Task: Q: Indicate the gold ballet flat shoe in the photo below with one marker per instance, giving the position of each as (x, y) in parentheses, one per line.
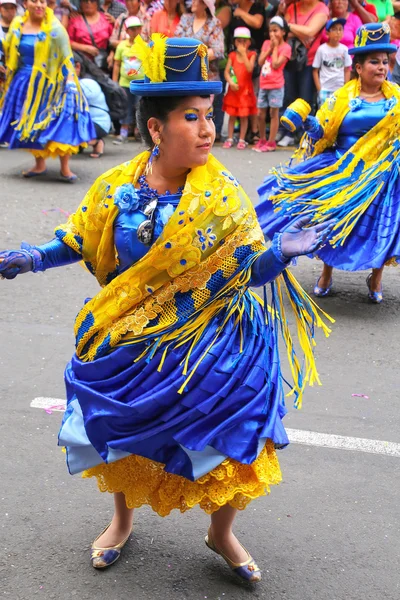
(104, 557)
(247, 570)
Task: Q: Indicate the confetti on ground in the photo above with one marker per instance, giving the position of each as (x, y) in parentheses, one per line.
(360, 396)
(50, 409)
(57, 209)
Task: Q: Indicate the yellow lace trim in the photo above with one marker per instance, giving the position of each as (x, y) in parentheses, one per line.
(144, 481)
(56, 149)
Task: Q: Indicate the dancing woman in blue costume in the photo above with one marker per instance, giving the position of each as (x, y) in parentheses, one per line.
(349, 171)
(42, 109)
(175, 392)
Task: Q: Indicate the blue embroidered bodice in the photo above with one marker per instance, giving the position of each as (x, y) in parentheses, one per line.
(359, 120)
(129, 248)
(27, 50)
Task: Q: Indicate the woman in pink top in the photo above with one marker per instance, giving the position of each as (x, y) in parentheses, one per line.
(340, 10)
(166, 20)
(306, 20)
(80, 37)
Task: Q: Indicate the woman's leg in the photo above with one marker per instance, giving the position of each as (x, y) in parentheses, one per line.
(376, 280)
(40, 166)
(325, 278)
(223, 536)
(121, 524)
(64, 164)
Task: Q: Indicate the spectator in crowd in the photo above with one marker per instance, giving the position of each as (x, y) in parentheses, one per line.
(306, 20)
(395, 33)
(250, 14)
(112, 9)
(240, 100)
(366, 12)
(98, 108)
(90, 31)
(147, 10)
(203, 25)
(8, 10)
(119, 34)
(61, 11)
(274, 56)
(332, 62)
(223, 12)
(127, 69)
(167, 19)
(340, 10)
(384, 9)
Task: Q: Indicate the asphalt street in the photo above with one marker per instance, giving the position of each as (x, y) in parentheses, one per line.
(330, 531)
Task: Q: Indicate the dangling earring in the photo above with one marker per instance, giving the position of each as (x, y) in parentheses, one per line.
(153, 156)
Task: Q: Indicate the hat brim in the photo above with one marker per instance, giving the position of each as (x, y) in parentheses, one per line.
(373, 48)
(184, 88)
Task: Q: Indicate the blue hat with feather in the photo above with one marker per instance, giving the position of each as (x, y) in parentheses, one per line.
(173, 67)
(373, 37)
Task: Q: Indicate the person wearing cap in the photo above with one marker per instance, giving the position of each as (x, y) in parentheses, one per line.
(332, 62)
(42, 109)
(274, 56)
(351, 22)
(175, 395)
(348, 168)
(240, 100)
(203, 25)
(8, 11)
(126, 69)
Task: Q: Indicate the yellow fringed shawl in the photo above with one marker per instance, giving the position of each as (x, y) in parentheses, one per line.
(166, 298)
(324, 193)
(53, 66)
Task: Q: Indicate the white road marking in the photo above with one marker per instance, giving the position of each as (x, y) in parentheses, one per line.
(296, 436)
(341, 442)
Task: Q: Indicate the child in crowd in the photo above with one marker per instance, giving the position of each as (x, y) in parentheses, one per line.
(240, 100)
(332, 62)
(275, 53)
(127, 67)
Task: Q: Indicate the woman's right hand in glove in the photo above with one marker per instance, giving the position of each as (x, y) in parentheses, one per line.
(15, 262)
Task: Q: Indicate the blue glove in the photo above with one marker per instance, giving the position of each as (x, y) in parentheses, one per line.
(313, 128)
(36, 258)
(15, 262)
(267, 267)
(297, 239)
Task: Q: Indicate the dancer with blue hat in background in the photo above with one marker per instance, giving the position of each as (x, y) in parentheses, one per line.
(347, 169)
(175, 394)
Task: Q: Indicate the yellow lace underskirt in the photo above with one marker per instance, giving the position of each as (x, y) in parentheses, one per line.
(144, 481)
(55, 149)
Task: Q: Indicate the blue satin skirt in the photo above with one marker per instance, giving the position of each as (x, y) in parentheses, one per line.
(375, 238)
(65, 129)
(117, 407)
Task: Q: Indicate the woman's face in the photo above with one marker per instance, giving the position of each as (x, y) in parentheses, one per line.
(132, 7)
(198, 5)
(374, 70)
(36, 9)
(188, 134)
(339, 8)
(89, 7)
